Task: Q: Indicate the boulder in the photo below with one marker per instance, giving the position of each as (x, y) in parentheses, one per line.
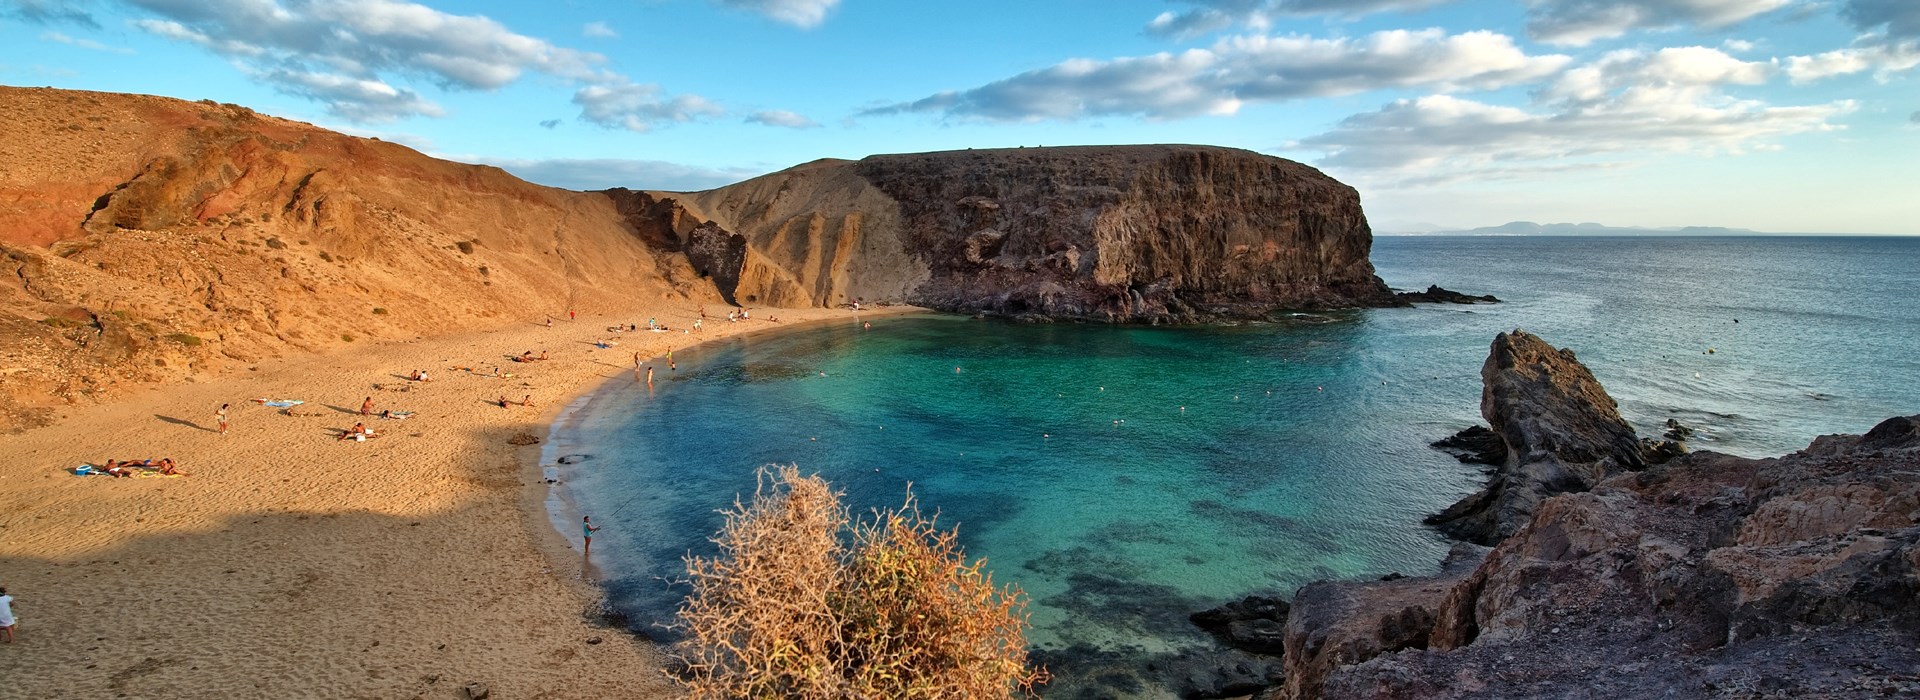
(1561, 430)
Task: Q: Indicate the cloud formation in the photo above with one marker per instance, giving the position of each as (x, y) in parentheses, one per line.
(598, 30)
(605, 173)
(1627, 102)
(636, 107)
(783, 118)
(1890, 43)
(345, 53)
(1237, 70)
(1581, 22)
(1259, 15)
(46, 12)
(804, 14)
(84, 43)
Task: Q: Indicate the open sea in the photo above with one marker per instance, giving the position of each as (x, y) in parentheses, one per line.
(1126, 476)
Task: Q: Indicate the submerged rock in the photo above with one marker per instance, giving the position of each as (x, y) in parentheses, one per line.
(1437, 295)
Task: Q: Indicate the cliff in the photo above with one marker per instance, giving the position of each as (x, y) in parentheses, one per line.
(151, 239)
(1104, 233)
(1707, 575)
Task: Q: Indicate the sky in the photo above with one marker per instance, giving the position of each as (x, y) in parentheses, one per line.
(1773, 115)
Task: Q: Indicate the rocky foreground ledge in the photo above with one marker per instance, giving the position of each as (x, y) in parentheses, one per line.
(1623, 568)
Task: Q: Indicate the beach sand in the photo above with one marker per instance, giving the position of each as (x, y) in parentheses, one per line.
(291, 563)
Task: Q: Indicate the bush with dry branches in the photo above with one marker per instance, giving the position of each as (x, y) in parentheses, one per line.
(803, 603)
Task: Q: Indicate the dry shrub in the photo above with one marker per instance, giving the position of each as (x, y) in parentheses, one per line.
(803, 603)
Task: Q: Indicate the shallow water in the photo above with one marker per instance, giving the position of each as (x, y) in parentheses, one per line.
(1124, 476)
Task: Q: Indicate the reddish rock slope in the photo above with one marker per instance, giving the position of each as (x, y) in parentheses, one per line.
(147, 238)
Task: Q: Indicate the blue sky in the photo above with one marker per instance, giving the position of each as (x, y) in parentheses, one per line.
(1775, 115)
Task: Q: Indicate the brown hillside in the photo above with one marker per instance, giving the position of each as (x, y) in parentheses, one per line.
(148, 238)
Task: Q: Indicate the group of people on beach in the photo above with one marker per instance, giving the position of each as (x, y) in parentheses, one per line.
(130, 467)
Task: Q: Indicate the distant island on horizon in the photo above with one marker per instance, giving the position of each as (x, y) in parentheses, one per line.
(1529, 228)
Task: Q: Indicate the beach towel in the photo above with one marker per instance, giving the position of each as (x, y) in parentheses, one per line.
(397, 415)
(278, 403)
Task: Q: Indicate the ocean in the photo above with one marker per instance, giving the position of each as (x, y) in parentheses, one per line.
(1126, 476)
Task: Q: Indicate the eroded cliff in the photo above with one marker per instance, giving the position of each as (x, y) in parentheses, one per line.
(151, 239)
(1106, 233)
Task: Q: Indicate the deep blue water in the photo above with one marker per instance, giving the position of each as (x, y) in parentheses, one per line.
(1124, 476)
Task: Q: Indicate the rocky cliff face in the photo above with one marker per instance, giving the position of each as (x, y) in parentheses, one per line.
(1705, 576)
(148, 239)
(1111, 233)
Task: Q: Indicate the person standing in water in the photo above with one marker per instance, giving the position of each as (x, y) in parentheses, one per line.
(670, 364)
(649, 376)
(587, 528)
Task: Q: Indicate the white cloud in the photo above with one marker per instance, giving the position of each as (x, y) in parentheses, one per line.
(636, 107)
(353, 99)
(1625, 104)
(598, 30)
(84, 43)
(1260, 15)
(1236, 70)
(606, 173)
(1581, 22)
(1890, 45)
(781, 117)
(804, 14)
(47, 12)
(350, 53)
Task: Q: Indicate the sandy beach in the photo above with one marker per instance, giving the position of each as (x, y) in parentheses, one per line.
(292, 563)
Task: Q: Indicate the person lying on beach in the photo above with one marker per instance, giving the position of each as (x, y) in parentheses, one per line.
(359, 431)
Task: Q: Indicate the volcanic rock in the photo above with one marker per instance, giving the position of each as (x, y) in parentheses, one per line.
(1562, 433)
(1106, 233)
(1437, 295)
(1708, 575)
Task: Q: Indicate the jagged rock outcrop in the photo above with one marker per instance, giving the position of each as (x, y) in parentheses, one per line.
(1561, 431)
(1106, 233)
(1705, 576)
(1436, 294)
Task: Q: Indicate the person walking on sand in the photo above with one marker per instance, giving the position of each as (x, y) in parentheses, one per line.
(6, 615)
(221, 417)
(587, 528)
(573, 315)
(636, 362)
(366, 406)
(549, 321)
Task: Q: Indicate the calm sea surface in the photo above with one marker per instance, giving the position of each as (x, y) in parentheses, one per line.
(1124, 476)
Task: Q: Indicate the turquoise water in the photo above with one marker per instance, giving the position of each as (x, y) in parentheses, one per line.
(1125, 476)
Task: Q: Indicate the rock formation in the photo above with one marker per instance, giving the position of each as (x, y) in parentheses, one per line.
(1108, 233)
(1436, 294)
(1708, 575)
(151, 239)
(1561, 432)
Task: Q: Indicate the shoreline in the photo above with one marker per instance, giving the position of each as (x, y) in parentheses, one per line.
(291, 562)
(556, 506)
